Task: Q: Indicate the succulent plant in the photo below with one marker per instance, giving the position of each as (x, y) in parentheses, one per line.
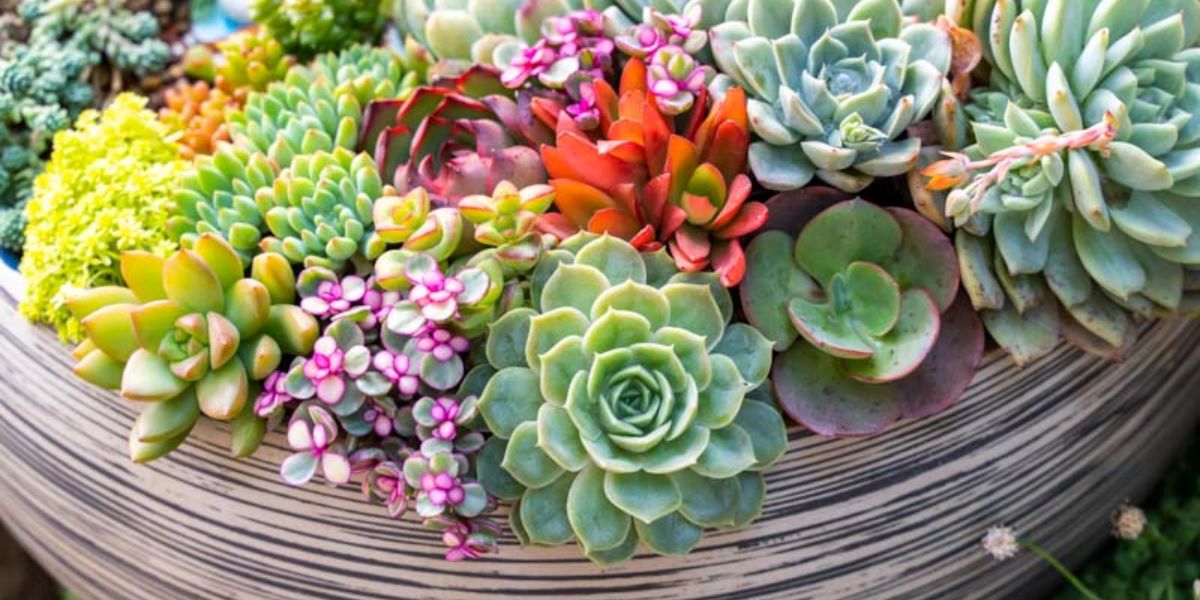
(250, 61)
(636, 178)
(313, 435)
(571, 44)
(470, 31)
(619, 407)
(308, 27)
(833, 87)
(189, 336)
(1078, 190)
(447, 139)
(105, 190)
(409, 220)
(862, 305)
(507, 221)
(19, 166)
(319, 209)
(198, 113)
(316, 110)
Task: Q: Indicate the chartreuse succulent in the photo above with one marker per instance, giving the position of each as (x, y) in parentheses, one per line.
(833, 86)
(619, 407)
(1081, 189)
(250, 61)
(106, 189)
(296, 131)
(191, 335)
(308, 27)
(862, 306)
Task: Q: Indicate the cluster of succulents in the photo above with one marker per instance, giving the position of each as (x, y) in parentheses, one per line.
(1074, 207)
(565, 254)
(309, 27)
(105, 190)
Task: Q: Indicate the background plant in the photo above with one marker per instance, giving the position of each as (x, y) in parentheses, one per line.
(309, 27)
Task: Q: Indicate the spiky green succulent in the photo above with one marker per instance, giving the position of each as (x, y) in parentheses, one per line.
(1081, 190)
(308, 27)
(316, 110)
(834, 86)
(189, 336)
(620, 408)
(319, 210)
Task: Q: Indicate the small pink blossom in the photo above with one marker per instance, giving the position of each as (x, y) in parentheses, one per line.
(324, 369)
(444, 412)
(531, 62)
(381, 423)
(441, 343)
(442, 489)
(334, 298)
(380, 303)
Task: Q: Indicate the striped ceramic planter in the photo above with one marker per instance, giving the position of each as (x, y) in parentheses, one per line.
(1050, 449)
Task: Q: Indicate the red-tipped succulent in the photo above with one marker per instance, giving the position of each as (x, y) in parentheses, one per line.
(637, 175)
(447, 138)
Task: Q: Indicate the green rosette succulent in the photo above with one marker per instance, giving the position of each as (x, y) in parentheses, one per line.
(863, 305)
(318, 211)
(315, 110)
(308, 27)
(190, 335)
(1077, 205)
(834, 85)
(619, 406)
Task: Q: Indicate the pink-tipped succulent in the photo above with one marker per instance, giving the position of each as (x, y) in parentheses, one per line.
(507, 221)
(434, 297)
(400, 370)
(571, 44)
(529, 62)
(313, 434)
(470, 538)
(334, 372)
(379, 302)
(676, 78)
(442, 344)
(443, 418)
(376, 415)
(274, 395)
(408, 220)
(386, 484)
(323, 295)
(436, 475)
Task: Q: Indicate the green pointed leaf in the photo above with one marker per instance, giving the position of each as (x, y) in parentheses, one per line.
(634, 297)
(222, 393)
(547, 329)
(525, 461)
(559, 439)
(615, 258)
(690, 349)
(575, 286)
(1108, 259)
(147, 378)
(671, 534)
(729, 452)
(190, 282)
(492, 475)
(750, 351)
(679, 453)
(768, 433)
(621, 553)
(507, 338)
(616, 329)
(750, 498)
(111, 329)
(720, 401)
(707, 502)
(168, 419)
(559, 367)
(694, 309)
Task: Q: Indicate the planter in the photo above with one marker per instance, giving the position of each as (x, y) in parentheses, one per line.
(1050, 449)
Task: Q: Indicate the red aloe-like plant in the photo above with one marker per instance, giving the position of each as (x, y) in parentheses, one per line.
(635, 176)
(448, 139)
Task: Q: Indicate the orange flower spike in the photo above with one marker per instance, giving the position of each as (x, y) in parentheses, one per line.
(944, 175)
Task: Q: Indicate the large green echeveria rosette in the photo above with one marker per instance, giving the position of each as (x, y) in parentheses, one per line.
(834, 85)
(619, 405)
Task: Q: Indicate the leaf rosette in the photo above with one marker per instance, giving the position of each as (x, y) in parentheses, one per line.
(620, 408)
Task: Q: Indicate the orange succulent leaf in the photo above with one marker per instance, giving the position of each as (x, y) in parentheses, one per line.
(578, 200)
(729, 150)
(673, 218)
(704, 194)
(546, 110)
(644, 240)
(655, 199)
(626, 197)
(749, 219)
(690, 248)
(556, 164)
(626, 151)
(738, 192)
(656, 132)
(632, 105)
(633, 77)
(682, 160)
(604, 171)
(556, 224)
(699, 209)
(607, 102)
(616, 222)
(729, 262)
(627, 130)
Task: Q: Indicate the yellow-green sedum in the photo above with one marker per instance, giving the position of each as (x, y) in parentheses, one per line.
(105, 190)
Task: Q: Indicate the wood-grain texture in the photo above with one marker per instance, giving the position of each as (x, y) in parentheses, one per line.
(1050, 449)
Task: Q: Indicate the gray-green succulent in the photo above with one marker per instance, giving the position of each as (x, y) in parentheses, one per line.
(620, 405)
(1082, 190)
(834, 85)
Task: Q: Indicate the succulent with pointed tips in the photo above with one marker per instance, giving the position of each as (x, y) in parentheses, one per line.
(189, 336)
(833, 86)
(620, 409)
(446, 139)
(862, 305)
(635, 177)
(1075, 206)
(250, 61)
(198, 113)
(507, 221)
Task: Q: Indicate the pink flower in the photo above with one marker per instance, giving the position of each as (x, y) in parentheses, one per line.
(441, 343)
(273, 395)
(445, 410)
(531, 62)
(442, 489)
(398, 368)
(334, 298)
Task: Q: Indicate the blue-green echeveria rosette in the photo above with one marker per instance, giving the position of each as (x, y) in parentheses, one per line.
(619, 405)
(833, 87)
(864, 306)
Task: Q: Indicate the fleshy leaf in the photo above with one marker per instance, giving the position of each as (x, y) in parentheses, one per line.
(512, 397)
(526, 462)
(645, 496)
(598, 523)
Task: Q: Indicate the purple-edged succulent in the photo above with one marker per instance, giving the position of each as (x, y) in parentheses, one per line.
(435, 472)
(313, 435)
(324, 295)
(863, 304)
(336, 371)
